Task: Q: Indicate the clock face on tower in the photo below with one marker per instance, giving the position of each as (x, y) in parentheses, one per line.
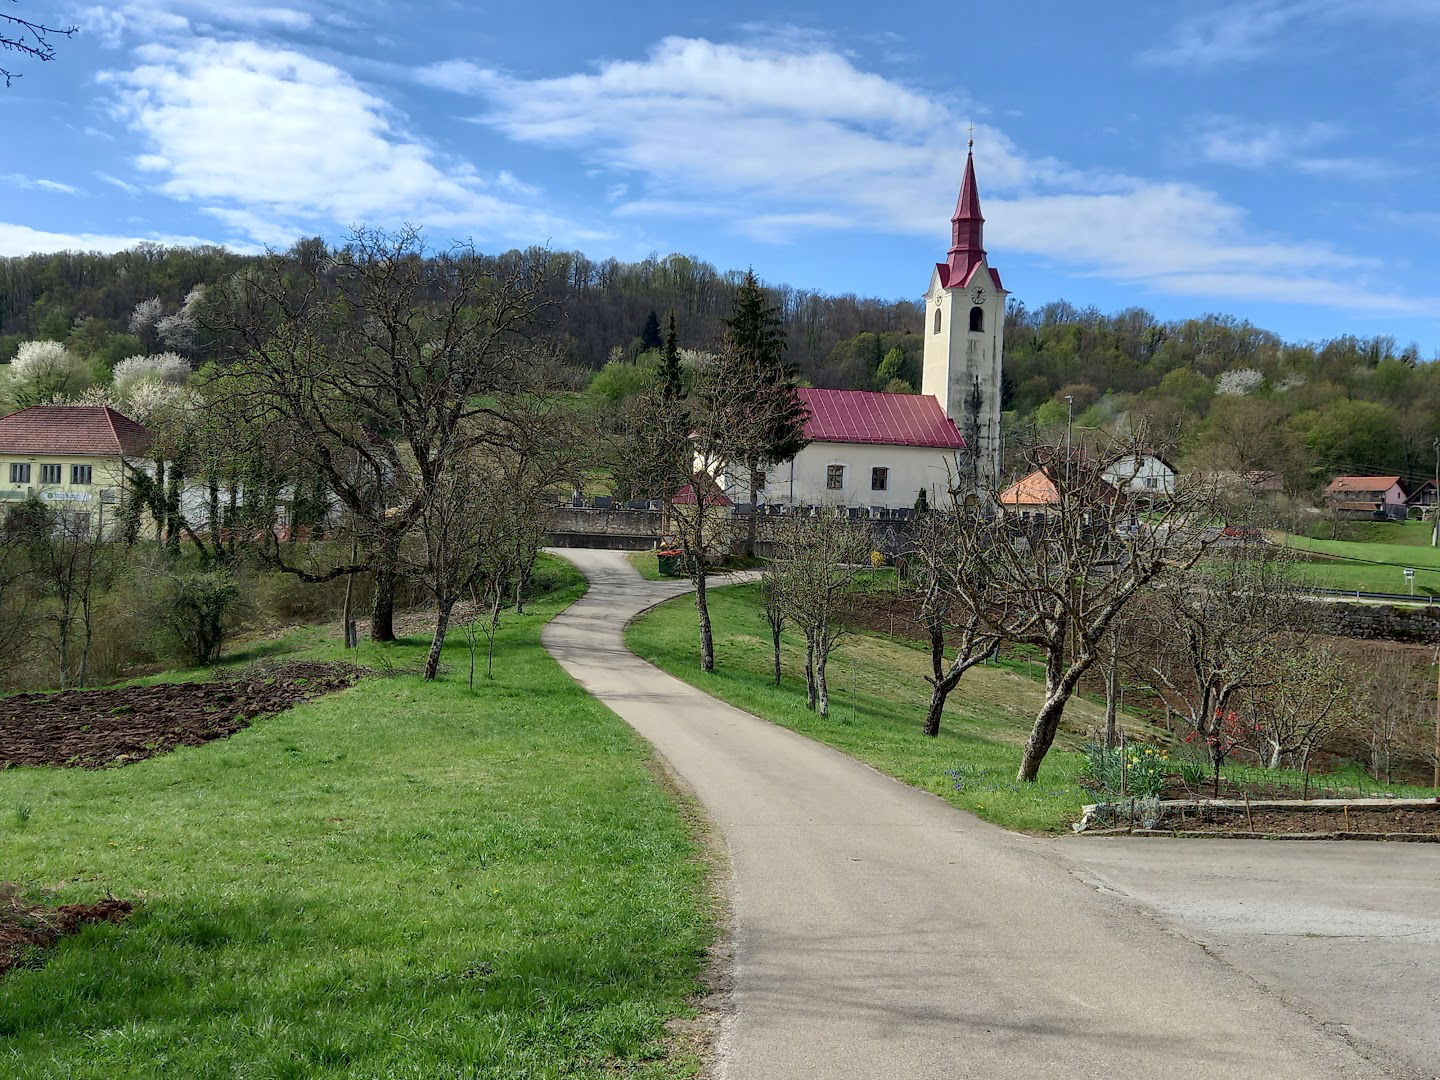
(977, 295)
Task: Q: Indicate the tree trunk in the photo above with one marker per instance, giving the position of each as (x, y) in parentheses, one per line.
(810, 694)
(1275, 756)
(775, 632)
(382, 609)
(702, 609)
(939, 692)
(494, 629)
(1112, 702)
(822, 687)
(437, 640)
(1058, 687)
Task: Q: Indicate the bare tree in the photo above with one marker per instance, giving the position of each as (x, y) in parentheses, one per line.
(1309, 697)
(68, 564)
(30, 39)
(944, 571)
(817, 559)
(17, 608)
(1214, 632)
(1059, 581)
(372, 366)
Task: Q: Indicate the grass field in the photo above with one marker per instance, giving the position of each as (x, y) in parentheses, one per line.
(398, 880)
(1375, 563)
(646, 563)
(878, 699)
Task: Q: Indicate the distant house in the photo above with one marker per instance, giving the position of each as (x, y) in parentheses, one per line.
(1035, 497)
(1142, 474)
(1366, 496)
(73, 458)
(1423, 498)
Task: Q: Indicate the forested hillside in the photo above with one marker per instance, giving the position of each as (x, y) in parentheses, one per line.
(1215, 391)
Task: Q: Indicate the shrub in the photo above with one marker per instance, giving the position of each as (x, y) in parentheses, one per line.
(196, 610)
(1140, 769)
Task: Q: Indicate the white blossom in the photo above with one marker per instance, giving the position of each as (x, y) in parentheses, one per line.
(160, 368)
(1240, 382)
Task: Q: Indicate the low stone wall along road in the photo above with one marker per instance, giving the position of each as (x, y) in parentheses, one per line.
(880, 933)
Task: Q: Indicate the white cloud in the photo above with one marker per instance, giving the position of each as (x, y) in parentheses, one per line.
(1227, 140)
(784, 143)
(1249, 30)
(115, 181)
(23, 240)
(273, 142)
(31, 183)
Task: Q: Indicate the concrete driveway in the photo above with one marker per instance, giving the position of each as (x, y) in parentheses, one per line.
(880, 933)
(1348, 932)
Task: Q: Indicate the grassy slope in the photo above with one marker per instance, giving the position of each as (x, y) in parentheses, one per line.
(878, 704)
(646, 564)
(1375, 564)
(399, 880)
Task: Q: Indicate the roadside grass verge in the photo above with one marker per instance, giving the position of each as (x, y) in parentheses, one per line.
(878, 698)
(1371, 565)
(398, 880)
(646, 564)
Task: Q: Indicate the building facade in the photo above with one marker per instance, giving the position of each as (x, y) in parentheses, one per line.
(73, 458)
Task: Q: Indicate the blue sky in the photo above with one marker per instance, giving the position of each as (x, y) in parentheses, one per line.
(1272, 159)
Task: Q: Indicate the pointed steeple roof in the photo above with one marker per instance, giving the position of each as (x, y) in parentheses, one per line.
(967, 231)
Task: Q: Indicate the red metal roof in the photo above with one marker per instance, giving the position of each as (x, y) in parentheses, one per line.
(713, 495)
(967, 235)
(91, 430)
(1342, 484)
(862, 416)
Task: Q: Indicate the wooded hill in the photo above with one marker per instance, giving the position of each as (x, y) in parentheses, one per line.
(1216, 391)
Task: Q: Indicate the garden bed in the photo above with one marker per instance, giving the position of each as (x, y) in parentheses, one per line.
(26, 927)
(99, 728)
(1321, 819)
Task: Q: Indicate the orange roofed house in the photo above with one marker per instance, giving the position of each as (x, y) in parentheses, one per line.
(1367, 496)
(73, 458)
(1034, 497)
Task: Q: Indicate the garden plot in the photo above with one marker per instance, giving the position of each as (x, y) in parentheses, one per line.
(99, 728)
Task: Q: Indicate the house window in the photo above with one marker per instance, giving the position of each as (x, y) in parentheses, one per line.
(50, 474)
(835, 477)
(879, 479)
(81, 474)
(937, 320)
(20, 472)
(1152, 482)
(977, 319)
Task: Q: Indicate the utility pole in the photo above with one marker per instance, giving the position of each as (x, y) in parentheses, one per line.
(1435, 528)
(1069, 423)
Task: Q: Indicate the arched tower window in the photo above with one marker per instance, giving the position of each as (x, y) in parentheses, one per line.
(977, 319)
(937, 321)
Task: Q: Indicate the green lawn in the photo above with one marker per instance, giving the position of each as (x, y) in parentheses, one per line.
(399, 880)
(878, 706)
(647, 564)
(1375, 564)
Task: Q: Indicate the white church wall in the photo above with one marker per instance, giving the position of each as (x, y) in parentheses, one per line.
(804, 481)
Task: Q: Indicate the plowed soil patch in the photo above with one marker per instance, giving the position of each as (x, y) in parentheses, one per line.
(26, 927)
(97, 728)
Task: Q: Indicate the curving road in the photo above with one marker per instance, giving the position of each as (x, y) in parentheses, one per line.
(880, 933)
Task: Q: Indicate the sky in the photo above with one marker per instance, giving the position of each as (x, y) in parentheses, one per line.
(1274, 160)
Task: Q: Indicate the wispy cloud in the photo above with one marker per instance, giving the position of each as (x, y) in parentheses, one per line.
(271, 142)
(23, 240)
(32, 183)
(1228, 140)
(798, 139)
(1241, 32)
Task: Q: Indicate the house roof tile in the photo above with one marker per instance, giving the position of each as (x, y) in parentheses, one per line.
(92, 430)
(863, 416)
(1343, 484)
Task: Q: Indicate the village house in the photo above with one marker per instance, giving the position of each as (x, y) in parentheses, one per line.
(1035, 497)
(1367, 496)
(1142, 475)
(72, 457)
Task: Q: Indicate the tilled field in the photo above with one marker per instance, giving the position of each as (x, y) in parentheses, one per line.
(98, 728)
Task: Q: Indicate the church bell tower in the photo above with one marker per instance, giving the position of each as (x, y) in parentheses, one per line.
(965, 335)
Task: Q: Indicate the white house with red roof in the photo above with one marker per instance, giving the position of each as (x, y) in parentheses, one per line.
(881, 450)
(71, 457)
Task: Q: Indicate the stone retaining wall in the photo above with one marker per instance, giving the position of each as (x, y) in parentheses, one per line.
(1377, 622)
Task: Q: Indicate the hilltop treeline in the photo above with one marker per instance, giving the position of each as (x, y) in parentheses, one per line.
(1216, 391)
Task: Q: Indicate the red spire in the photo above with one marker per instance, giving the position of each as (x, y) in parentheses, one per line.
(967, 227)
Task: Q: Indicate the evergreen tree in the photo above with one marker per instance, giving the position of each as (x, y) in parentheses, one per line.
(670, 362)
(650, 335)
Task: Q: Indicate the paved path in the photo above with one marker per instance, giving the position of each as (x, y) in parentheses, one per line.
(1348, 931)
(880, 933)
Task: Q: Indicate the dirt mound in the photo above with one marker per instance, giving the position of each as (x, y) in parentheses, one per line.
(26, 926)
(98, 728)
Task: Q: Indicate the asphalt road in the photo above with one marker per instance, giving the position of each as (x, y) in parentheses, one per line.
(1348, 932)
(880, 933)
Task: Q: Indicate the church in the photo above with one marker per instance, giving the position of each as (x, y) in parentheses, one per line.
(881, 450)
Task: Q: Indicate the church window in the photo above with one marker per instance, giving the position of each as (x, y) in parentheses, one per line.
(937, 320)
(977, 319)
(879, 479)
(835, 477)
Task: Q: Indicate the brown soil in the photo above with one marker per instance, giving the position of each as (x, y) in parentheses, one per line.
(26, 927)
(98, 728)
(1286, 822)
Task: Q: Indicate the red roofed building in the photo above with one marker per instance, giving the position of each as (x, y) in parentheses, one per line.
(1367, 496)
(70, 456)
